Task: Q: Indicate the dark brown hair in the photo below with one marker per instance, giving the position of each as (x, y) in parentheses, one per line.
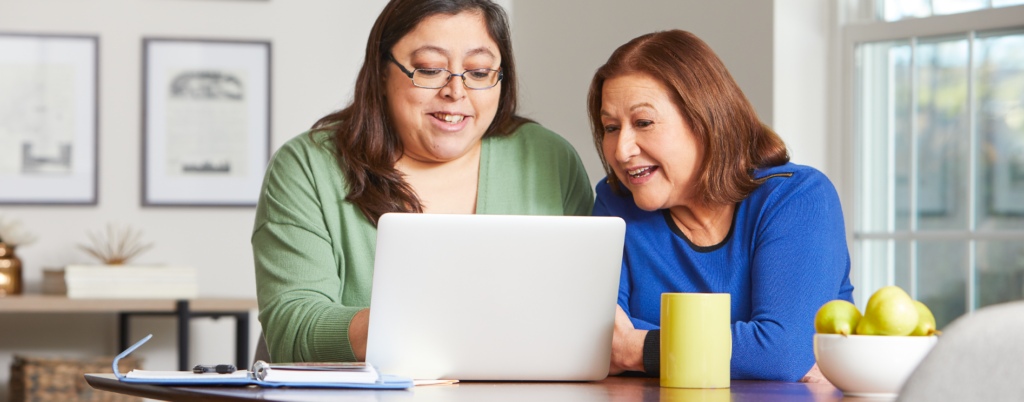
(364, 139)
(735, 141)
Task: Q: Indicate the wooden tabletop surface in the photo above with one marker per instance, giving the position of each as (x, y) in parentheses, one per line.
(612, 389)
(35, 303)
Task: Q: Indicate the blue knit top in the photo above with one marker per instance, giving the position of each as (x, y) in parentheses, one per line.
(784, 257)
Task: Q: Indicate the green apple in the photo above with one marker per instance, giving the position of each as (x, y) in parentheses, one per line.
(926, 321)
(837, 317)
(890, 311)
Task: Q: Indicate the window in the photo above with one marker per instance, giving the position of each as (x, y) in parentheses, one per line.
(894, 10)
(937, 120)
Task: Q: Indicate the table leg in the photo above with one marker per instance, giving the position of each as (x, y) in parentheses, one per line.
(123, 331)
(242, 340)
(183, 334)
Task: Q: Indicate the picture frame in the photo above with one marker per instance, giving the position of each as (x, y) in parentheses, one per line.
(206, 107)
(49, 119)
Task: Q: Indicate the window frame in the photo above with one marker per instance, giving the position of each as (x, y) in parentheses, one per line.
(850, 35)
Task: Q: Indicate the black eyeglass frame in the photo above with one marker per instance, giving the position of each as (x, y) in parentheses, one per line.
(450, 74)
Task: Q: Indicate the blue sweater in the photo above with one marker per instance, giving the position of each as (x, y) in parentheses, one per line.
(784, 257)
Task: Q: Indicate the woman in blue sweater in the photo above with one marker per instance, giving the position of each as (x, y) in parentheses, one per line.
(712, 205)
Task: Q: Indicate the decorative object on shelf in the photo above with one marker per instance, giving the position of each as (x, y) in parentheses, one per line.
(117, 245)
(10, 271)
(206, 121)
(12, 235)
(53, 282)
(49, 120)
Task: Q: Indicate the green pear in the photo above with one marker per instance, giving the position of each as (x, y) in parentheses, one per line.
(925, 322)
(837, 317)
(890, 311)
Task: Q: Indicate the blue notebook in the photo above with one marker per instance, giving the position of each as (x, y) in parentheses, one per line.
(249, 378)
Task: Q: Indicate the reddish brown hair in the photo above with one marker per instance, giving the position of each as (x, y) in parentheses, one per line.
(364, 139)
(735, 141)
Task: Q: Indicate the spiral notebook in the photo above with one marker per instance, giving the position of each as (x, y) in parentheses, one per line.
(297, 375)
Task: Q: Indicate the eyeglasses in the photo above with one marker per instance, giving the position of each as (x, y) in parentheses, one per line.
(434, 78)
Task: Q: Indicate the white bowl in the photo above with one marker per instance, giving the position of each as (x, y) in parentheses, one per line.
(865, 365)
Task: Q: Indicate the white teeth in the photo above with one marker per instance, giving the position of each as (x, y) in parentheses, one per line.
(451, 118)
(641, 172)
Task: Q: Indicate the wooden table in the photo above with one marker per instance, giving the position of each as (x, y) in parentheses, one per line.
(182, 310)
(612, 389)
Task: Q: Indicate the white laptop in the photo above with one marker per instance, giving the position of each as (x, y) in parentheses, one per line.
(495, 297)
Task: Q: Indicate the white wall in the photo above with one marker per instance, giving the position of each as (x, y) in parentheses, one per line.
(802, 34)
(560, 44)
(317, 48)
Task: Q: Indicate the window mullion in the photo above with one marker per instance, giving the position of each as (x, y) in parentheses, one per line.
(913, 166)
(890, 129)
(972, 132)
(972, 178)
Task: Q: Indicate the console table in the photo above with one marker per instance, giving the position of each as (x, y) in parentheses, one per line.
(182, 310)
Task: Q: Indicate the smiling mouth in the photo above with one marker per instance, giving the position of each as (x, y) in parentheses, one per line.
(641, 172)
(449, 118)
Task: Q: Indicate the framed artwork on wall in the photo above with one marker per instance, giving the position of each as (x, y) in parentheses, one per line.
(205, 121)
(49, 119)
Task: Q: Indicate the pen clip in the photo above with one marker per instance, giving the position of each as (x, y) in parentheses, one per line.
(125, 353)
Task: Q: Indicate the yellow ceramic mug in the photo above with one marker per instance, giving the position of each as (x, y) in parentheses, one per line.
(696, 340)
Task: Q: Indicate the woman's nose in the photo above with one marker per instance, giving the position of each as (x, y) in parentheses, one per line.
(626, 148)
(456, 88)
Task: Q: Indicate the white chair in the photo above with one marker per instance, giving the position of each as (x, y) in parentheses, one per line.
(979, 357)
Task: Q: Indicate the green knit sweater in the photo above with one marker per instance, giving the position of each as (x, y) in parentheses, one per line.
(314, 251)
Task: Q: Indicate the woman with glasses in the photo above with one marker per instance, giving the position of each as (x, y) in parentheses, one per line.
(712, 205)
(431, 129)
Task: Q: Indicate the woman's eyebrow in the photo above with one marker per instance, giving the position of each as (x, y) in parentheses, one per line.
(641, 105)
(436, 49)
(480, 51)
(431, 48)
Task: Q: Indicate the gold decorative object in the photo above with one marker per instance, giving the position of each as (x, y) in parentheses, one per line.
(10, 271)
(12, 235)
(116, 246)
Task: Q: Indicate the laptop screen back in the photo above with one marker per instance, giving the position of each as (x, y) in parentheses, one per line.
(493, 297)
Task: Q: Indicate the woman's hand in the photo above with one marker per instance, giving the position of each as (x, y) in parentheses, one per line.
(627, 345)
(357, 333)
(815, 375)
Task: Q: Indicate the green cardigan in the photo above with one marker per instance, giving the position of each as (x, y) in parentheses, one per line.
(314, 251)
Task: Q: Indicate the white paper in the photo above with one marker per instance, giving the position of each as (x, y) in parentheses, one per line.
(206, 122)
(177, 375)
(37, 117)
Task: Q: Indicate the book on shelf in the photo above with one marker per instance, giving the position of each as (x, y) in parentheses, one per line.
(130, 282)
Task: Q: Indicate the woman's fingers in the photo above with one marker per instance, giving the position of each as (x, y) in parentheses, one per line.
(815, 375)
